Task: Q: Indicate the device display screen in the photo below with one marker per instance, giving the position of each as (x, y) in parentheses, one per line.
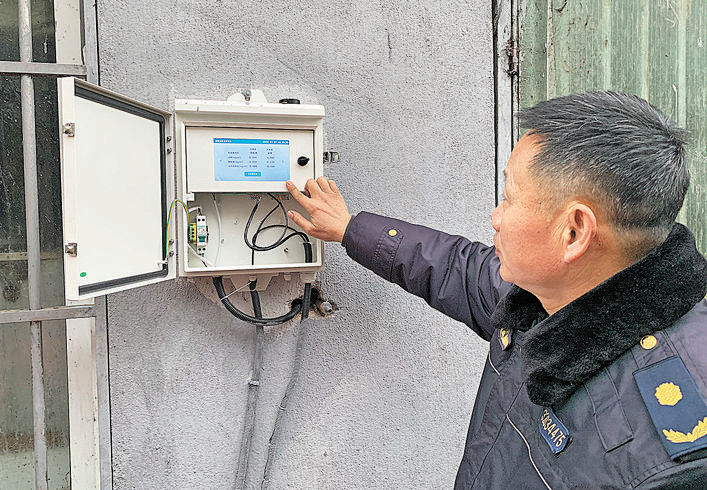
(251, 160)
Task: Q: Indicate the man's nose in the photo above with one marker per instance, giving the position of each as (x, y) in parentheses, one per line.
(496, 218)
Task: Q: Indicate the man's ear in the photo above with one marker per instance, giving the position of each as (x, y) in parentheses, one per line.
(580, 230)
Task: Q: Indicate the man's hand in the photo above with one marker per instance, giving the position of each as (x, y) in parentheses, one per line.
(325, 205)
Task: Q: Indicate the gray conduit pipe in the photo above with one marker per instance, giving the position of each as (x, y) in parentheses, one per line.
(253, 384)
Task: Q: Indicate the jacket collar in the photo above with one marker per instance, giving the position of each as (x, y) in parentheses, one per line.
(565, 349)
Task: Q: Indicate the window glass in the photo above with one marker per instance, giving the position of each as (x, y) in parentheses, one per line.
(13, 241)
(16, 423)
(9, 32)
(16, 404)
(16, 413)
(49, 183)
(43, 39)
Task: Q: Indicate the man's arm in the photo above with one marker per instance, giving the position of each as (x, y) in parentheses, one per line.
(454, 275)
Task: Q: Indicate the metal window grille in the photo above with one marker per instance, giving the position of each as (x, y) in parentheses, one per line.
(35, 315)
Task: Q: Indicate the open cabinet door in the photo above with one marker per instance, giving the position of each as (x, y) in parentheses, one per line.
(115, 188)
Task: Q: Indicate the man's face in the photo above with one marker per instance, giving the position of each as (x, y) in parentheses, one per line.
(527, 238)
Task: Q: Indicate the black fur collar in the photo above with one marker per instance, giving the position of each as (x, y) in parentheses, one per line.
(565, 349)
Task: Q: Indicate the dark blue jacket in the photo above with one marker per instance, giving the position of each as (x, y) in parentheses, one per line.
(608, 392)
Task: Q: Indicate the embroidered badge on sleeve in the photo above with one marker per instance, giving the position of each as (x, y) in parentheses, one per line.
(676, 406)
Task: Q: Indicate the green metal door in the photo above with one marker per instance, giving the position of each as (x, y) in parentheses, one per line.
(651, 48)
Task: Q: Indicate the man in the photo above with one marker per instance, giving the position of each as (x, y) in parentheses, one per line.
(592, 298)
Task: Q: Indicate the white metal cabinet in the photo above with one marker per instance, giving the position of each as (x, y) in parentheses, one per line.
(119, 162)
(116, 190)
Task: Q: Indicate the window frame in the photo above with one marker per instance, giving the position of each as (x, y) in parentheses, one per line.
(87, 362)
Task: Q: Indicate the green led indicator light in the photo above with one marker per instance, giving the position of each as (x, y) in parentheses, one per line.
(83, 274)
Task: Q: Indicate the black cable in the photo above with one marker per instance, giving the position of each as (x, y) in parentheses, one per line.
(307, 299)
(259, 321)
(250, 219)
(277, 206)
(218, 284)
(295, 232)
(296, 308)
(255, 299)
(255, 235)
(302, 235)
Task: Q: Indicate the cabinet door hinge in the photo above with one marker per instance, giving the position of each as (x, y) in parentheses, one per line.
(70, 129)
(71, 249)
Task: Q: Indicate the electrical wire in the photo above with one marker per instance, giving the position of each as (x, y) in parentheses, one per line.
(277, 206)
(259, 230)
(259, 321)
(218, 281)
(253, 384)
(286, 226)
(250, 219)
(277, 428)
(220, 233)
(237, 289)
(169, 220)
(301, 234)
(203, 259)
(294, 311)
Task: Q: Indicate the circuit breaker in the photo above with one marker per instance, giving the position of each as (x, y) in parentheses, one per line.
(149, 194)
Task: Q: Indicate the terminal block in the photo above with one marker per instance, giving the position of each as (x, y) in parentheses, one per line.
(199, 234)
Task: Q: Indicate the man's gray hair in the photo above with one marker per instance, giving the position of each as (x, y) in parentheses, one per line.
(617, 150)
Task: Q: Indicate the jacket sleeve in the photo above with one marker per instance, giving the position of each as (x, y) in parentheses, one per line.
(458, 277)
(691, 474)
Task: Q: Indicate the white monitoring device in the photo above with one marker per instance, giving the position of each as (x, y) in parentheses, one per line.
(247, 160)
(230, 161)
(235, 158)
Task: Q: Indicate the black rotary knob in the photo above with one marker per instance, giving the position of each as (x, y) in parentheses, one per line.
(302, 161)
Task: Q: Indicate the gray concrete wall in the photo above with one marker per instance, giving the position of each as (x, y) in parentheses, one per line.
(387, 384)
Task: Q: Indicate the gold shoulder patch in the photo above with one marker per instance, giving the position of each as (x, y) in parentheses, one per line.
(699, 431)
(676, 405)
(668, 394)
